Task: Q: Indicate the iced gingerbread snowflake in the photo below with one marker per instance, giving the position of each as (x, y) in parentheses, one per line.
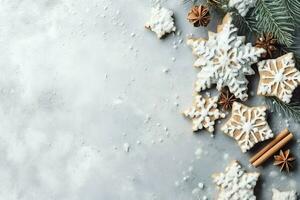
(161, 21)
(224, 59)
(247, 126)
(278, 77)
(242, 6)
(287, 195)
(235, 183)
(204, 113)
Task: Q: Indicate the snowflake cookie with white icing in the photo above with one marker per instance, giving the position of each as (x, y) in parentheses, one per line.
(242, 6)
(287, 195)
(161, 21)
(204, 113)
(235, 183)
(278, 77)
(224, 59)
(247, 125)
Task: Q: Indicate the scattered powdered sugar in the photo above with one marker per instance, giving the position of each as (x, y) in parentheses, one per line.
(225, 156)
(126, 147)
(199, 153)
(201, 185)
(273, 173)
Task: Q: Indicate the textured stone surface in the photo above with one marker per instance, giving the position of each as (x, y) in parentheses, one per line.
(91, 102)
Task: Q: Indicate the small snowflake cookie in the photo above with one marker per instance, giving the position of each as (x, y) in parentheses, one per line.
(204, 113)
(161, 21)
(235, 183)
(278, 77)
(242, 6)
(247, 126)
(224, 59)
(287, 195)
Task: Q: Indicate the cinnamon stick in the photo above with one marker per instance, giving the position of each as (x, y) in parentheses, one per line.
(274, 148)
(279, 137)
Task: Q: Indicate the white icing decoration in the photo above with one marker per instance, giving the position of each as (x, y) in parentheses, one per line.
(224, 59)
(242, 6)
(247, 126)
(287, 195)
(161, 21)
(204, 112)
(278, 77)
(235, 183)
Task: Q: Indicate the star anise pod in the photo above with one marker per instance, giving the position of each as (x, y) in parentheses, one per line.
(267, 42)
(199, 16)
(284, 160)
(226, 99)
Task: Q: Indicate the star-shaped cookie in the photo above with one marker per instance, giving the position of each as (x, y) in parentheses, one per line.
(161, 21)
(204, 113)
(224, 59)
(278, 77)
(247, 125)
(286, 195)
(235, 183)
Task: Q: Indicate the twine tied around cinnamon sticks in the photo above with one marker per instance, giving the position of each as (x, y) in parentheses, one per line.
(274, 146)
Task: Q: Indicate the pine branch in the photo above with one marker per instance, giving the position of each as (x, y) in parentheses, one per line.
(272, 17)
(291, 110)
(293, 6)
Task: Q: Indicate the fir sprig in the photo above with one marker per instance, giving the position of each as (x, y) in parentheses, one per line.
(273, 17)
(291, 110)
(268, 16)
(293, 6)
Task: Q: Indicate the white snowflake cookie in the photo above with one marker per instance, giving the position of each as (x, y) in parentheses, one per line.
(242, 6)
(224, 59)
(235, 183)
(247, 126)
(278, 77)
(204, 113)
(161, 21)
(287, 195)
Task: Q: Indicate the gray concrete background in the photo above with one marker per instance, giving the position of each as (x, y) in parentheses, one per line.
(88, 110)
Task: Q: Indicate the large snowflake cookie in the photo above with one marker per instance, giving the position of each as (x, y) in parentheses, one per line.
(204, 113)
(224, 59)
(278, 77)
(161, 21)
(235, 183)
(242, 6)
(287, 195)
(247, 126)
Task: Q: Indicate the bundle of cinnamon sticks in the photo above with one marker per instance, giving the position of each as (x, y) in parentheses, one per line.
(274, 146)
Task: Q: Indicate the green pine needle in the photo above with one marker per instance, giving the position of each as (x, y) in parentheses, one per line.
(291, 110)
(269, 16)
(293, 6)
(273, 17)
